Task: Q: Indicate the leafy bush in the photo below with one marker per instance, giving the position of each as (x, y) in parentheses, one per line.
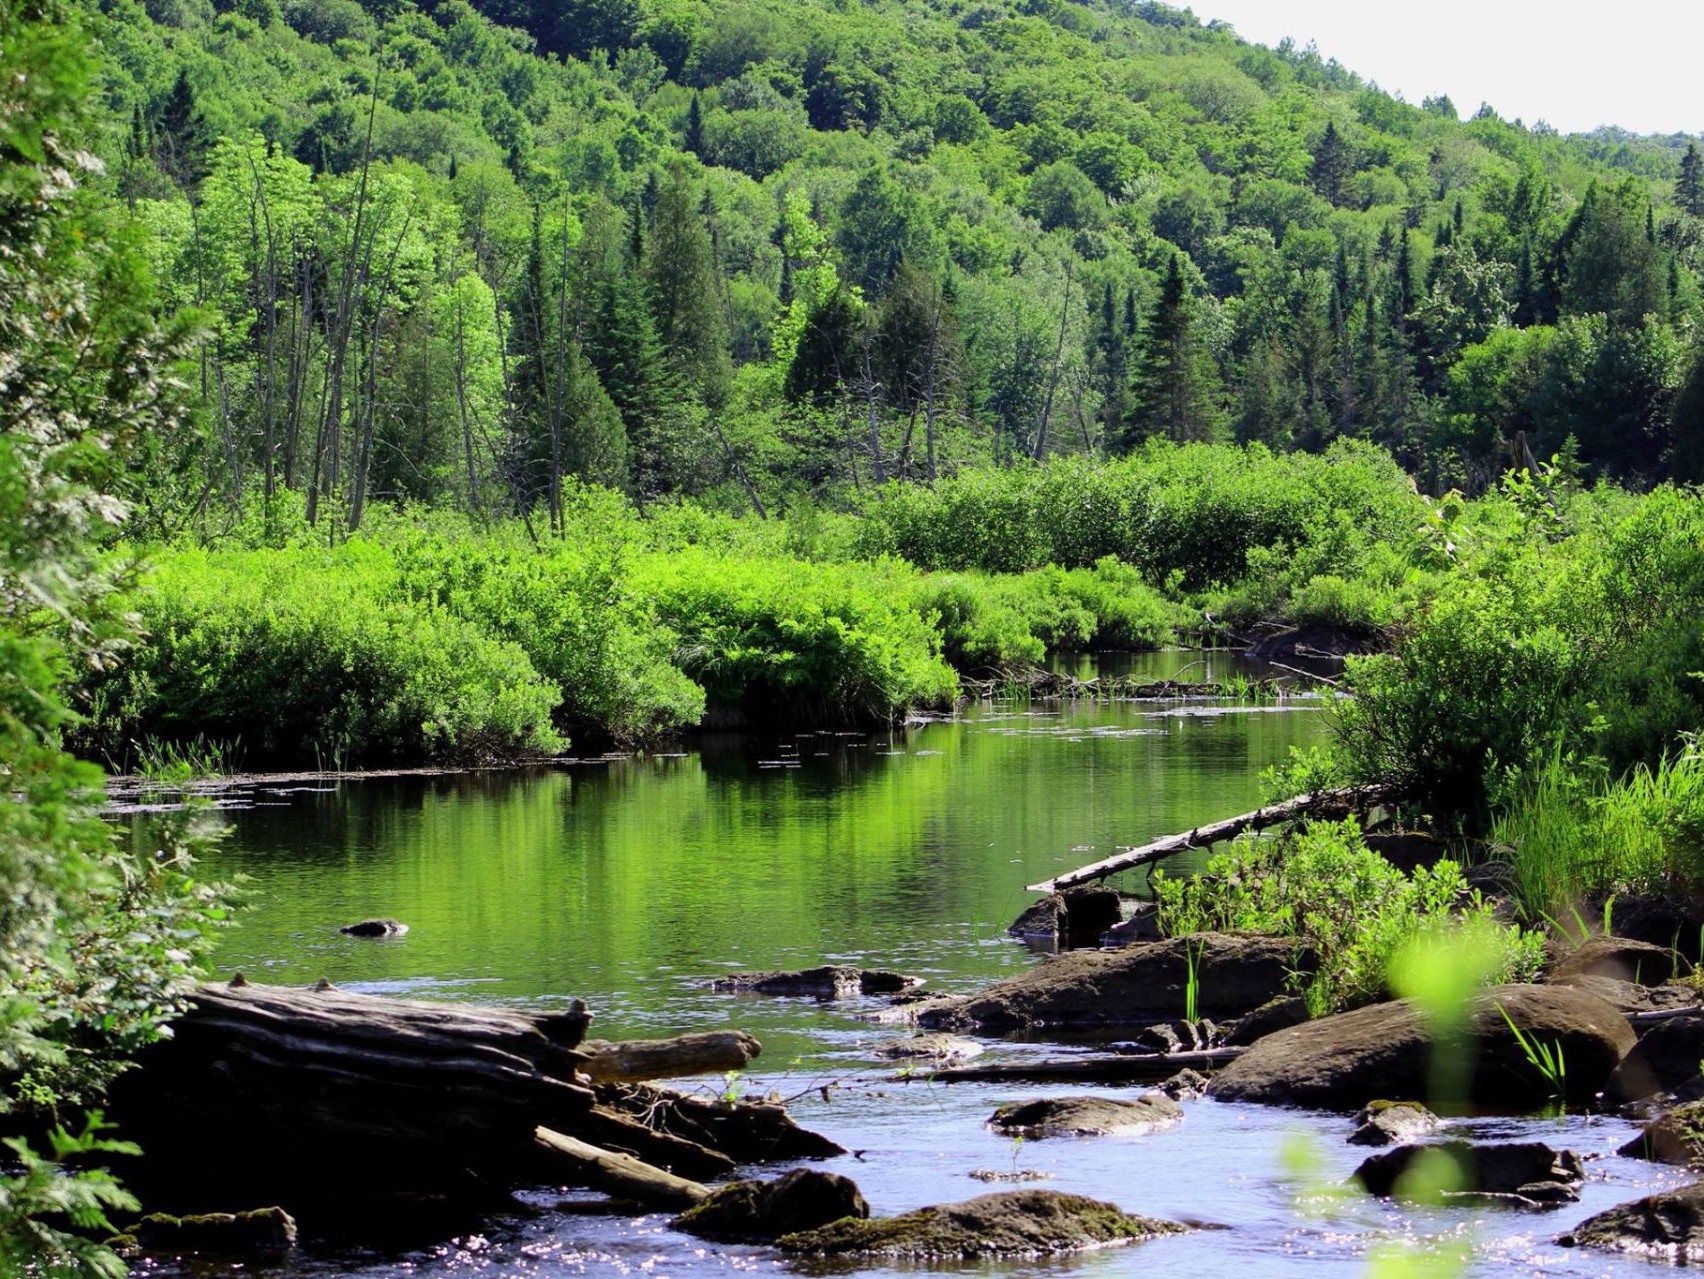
(777, 641)
(1328, 890)
(315, 656)
(1191, 512)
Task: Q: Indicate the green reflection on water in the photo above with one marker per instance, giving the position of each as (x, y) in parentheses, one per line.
(624, 882)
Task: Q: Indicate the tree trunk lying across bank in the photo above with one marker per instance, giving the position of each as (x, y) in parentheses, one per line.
(267, 1094)
(1323, 804)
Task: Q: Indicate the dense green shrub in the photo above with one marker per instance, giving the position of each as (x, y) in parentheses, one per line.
(306, 656)
(778, 641)
(1190, 514)
(571, 607)
(1328, 890)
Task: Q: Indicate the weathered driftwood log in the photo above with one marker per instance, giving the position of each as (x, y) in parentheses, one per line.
(1124, 1068)
(620, 1175)
(634, 1060)
(750, 1132)
(1322, 804)
(267, 1084)
(604, 1126)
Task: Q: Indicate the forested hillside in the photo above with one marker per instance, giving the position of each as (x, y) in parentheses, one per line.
(760, 252)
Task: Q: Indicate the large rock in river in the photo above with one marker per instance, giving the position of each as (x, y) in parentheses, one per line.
(1667, 1057)
(1528, 1174)
(1343, 1061)
(1116, 990)
(1086, 1116)
(804, 1199)
(1668, 1226)
(1622, 959)
(1013, 1223)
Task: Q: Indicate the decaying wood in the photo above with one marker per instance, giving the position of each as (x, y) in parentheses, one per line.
(1102, 1068)
(1321, 804)
(630, 1061)
(750, 1132)
(685, 1156)
(278, 1095)
(583, 1164)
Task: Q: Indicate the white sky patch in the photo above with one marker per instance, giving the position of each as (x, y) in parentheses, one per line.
(1639, 65)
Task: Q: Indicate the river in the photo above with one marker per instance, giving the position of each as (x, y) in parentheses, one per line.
(627, 882)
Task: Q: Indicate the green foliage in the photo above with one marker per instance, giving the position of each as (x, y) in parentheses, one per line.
(776, 641)
(41, 1192)
(315, 656)
(98, 946)
(1331, 893)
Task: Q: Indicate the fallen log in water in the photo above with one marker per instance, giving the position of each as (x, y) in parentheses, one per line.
(268, 1094)
(1052, 685)
(1323, 804)
(620, 1175)
(631, 1061)
(1101, 1068)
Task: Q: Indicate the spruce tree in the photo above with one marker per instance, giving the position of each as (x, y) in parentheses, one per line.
(686, 304)
(1689, 187)
(1175, 388)
(1330, 167)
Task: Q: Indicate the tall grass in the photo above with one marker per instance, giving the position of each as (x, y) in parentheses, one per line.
(1570, 836)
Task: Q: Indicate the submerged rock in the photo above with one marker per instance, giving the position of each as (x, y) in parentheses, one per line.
(1622, 959)
(1070, 919)
(1668, 1226)
(1392, 1123)
(1186, 1085)
(375, 928)
(1526, 1174)
(1012, 1223)
(223, 1234)
(1675, 1138)
(831, 981)
(804, 1199)
(1086, 1116)
(1114, 990)
(1666, 1057)
(1338, 1062)
(934, 1047)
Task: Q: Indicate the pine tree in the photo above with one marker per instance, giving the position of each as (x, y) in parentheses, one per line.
(695, 125)
(685, 300)
(1689, 187)
(1330, 167)
(1175, 388)
(182, 139)
(1110, 367)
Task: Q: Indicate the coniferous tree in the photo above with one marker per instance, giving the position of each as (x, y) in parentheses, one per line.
(1330, 167)
(1175, 389)
(686, 304)
(1110, 367)
(1689, 187)
(181, 136)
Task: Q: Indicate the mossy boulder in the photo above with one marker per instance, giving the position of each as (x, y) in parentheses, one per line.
(1084, 992)
(1086, 1116)
(804, 1199)
(1675, 1138)
(1342, 1061)
(1668, 1226)
(1013, 1223)
(1392, 1123)
(221, 1234)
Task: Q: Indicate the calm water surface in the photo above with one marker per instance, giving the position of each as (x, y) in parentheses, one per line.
(625, 883)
